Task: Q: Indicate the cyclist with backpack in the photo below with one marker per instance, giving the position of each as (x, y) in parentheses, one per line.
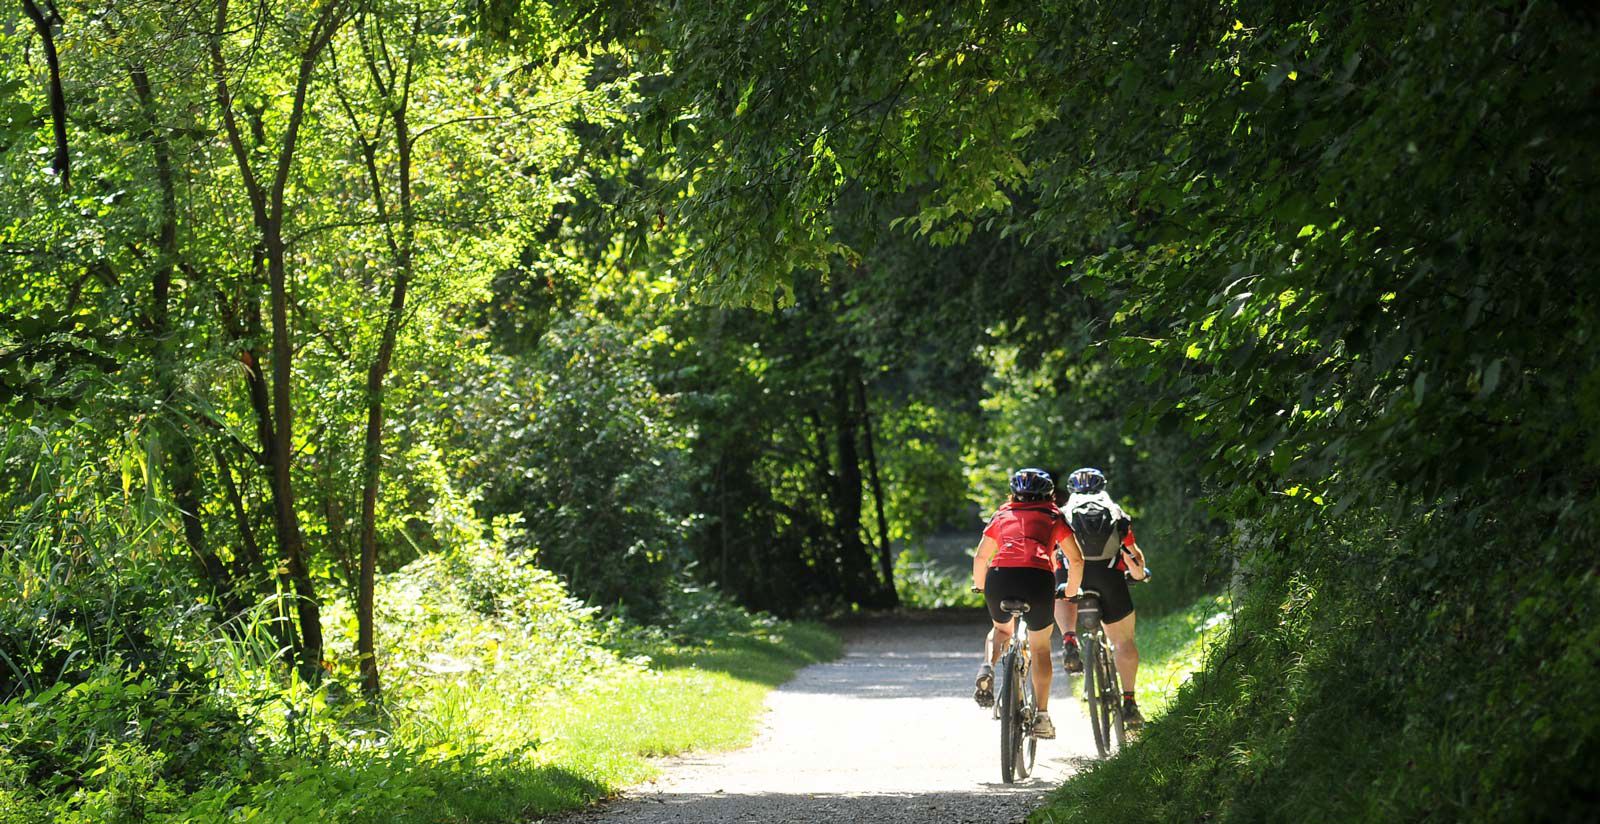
(1017, 559)
(1110, 555)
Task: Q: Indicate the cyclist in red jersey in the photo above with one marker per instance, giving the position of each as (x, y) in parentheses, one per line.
(1016, 559)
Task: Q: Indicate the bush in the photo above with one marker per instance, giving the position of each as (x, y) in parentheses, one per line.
(579, 444)
(925, 584)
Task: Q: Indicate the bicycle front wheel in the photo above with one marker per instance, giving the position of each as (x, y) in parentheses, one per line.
(1094, 695)
(1114, 701)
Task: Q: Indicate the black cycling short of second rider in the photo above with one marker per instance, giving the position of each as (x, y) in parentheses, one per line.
(1036, 586)
(1115, 601)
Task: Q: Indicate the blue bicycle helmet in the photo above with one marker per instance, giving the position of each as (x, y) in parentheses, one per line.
(1087, 481)
(1032, 485)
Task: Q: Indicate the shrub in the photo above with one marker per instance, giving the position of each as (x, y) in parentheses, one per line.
(926, 584)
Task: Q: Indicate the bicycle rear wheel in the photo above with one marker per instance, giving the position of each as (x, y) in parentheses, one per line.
(1093, 695)
(1008, 700)
(1027, 745)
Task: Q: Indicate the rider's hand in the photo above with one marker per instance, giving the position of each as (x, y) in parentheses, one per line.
(1061, 594)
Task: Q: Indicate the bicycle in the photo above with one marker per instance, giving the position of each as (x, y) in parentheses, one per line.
(1014, 701)
(1102, 688)
(1102, 685)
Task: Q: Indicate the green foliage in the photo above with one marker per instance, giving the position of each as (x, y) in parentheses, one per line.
(86, 575)
(1174, 644)
(500, 685)
(1352, 692)
(582, 446)
(924, 583)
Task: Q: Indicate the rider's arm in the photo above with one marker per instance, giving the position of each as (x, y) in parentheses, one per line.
(1130, 548)
(1069, 546)
(980, 561)
(1136, 570)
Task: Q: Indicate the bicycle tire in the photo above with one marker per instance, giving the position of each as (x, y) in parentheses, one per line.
(1027, 744)
(1010, 717)
(1119, 724)
(1091, 693)
(1113, 700)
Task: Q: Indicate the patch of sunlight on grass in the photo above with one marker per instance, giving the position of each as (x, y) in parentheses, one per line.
(1173, 645)
(595, 735)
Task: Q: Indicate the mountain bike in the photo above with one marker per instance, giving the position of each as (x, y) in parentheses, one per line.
(1014, 699)
(1102, 688)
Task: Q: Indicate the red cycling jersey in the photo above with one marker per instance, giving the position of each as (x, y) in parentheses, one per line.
(1026, 533)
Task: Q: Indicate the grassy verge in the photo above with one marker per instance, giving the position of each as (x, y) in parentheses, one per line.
(1352, 694)
(505, 700)
(597, 738)
(1172, 646)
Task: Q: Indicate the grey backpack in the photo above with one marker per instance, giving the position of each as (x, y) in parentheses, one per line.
(1097, 529)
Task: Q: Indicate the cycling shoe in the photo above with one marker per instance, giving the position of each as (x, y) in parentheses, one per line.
(1042, 726)
(1071, 660)
(983, 692)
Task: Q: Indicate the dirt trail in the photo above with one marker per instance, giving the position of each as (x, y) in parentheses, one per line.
(888, 733)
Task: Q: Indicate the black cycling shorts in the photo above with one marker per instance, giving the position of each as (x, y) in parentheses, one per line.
(1116, 603)
(1036, 586)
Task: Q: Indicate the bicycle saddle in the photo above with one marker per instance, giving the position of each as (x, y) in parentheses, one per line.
(1015, 606)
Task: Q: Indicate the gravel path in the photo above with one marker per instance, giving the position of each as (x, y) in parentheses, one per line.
(888, 733)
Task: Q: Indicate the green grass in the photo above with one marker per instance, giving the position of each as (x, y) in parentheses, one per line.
(597, 738)
(1172, 646)
(506, 701)
(475, 752)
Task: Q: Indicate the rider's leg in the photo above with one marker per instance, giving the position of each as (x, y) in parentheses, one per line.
(1039, 651)
(995, 643)
(1066, 616)
(1121, 634)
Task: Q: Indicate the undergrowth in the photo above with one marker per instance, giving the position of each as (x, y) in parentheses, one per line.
(1173, 645)
(505, 698)
(924, 583)
(1358, 685)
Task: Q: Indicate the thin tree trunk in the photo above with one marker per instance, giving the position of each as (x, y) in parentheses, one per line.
(885, 559)
(372, 449)
(291, 541)
(862, 581)
(267, 209)
(62, 162)
(177, 448)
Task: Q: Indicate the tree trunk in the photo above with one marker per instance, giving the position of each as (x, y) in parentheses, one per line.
(860, 581)
(402, 249)
(286, 520)
(61, 163)
(177, 449)
(267, 211)
(885, 558)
